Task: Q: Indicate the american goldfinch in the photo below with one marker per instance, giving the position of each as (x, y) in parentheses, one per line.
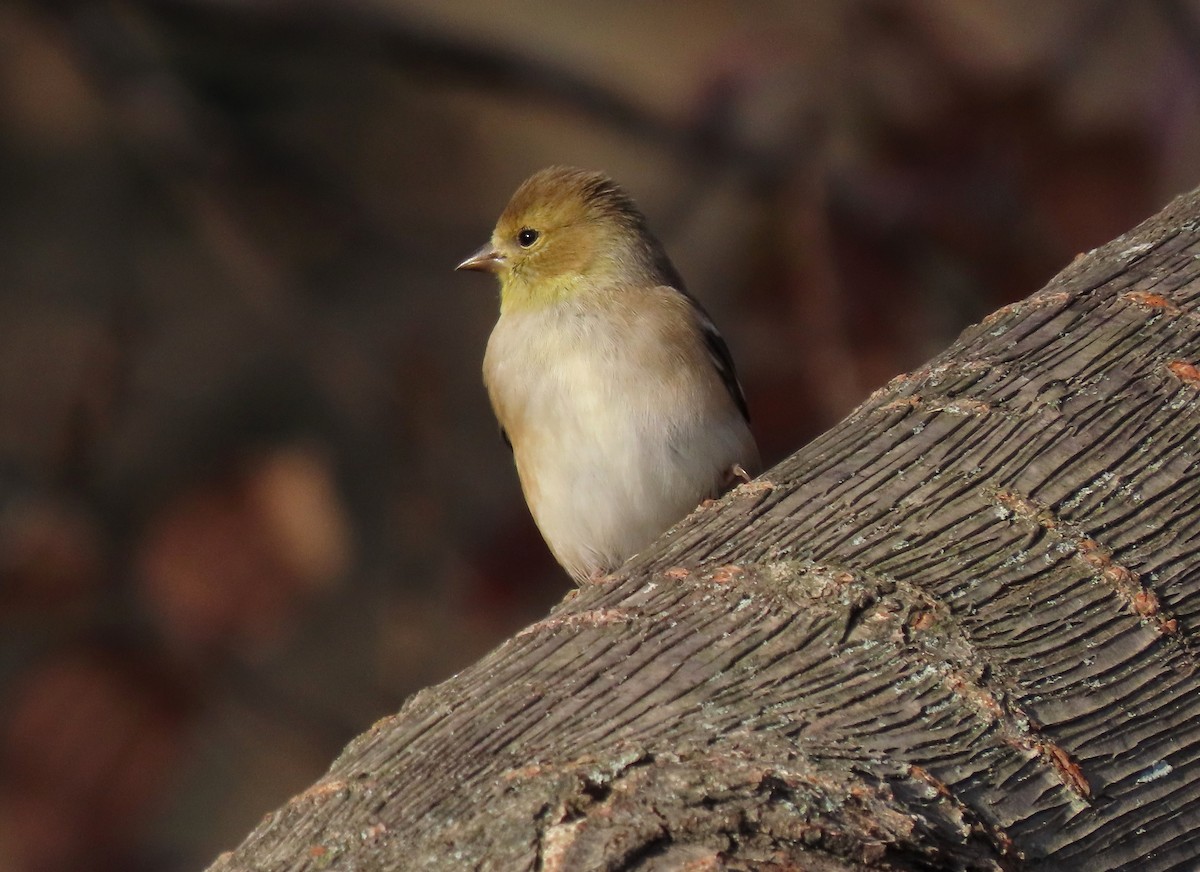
(613, 388)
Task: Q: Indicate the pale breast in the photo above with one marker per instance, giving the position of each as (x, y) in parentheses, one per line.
(616, 432)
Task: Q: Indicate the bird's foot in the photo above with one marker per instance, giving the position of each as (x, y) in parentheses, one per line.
(734, 476)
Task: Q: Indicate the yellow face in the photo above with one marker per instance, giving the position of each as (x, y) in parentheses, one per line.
(562, 229)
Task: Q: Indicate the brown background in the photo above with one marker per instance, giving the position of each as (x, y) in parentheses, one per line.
(251, 494)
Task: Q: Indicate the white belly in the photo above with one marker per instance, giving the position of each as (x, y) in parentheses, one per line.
(608, 458)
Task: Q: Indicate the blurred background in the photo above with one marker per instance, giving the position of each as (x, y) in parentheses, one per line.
(251, 493)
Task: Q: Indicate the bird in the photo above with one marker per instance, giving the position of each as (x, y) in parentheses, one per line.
(610, 382)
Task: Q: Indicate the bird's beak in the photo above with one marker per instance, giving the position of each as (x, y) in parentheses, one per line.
(487, 259)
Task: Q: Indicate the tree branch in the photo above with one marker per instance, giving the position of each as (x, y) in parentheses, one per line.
(958, 631)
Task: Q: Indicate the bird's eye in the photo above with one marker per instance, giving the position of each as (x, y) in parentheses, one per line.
(527, 237)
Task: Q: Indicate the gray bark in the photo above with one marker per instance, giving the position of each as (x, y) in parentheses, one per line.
(958, 631)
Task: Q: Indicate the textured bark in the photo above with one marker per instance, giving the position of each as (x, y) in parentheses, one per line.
(958, 631)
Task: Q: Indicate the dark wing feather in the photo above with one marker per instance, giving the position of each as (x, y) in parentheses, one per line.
(718, 352)
(663, 270)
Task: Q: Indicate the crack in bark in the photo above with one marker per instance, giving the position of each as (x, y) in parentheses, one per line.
(1123, 581)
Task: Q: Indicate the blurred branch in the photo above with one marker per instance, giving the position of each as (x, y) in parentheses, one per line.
(353, 31)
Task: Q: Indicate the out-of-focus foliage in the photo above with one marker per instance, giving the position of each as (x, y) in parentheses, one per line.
(251, 495)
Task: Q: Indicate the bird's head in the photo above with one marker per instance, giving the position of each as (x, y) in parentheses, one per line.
(566, 230)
